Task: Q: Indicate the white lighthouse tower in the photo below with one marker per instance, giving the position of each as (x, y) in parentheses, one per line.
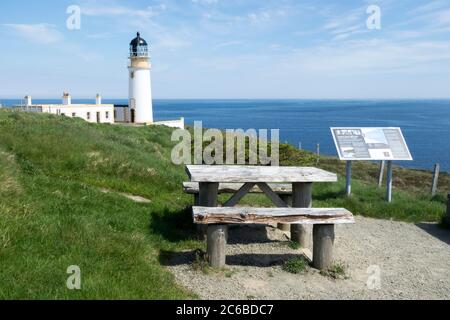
(140, 90)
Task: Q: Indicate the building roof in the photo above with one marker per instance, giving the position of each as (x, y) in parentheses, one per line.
(69, 106)
(138, 41)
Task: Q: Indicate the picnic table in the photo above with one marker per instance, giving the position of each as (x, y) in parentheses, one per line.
(264, 177)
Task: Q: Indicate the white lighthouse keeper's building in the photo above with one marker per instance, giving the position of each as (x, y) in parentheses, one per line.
(140, 90)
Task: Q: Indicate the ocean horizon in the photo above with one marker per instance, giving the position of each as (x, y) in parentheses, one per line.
(425, 123)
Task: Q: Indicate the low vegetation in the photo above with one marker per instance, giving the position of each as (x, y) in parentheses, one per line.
(296, 265)
(293, 245)
(53, 213)
(336, 271)
(200, 261)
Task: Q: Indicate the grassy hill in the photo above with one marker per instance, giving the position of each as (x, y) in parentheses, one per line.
(61, 203)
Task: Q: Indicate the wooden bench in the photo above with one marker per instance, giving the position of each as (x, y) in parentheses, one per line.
(284, 190)
(322, 219)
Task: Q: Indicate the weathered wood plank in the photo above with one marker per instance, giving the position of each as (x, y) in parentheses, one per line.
(248, 215)
(272, 195)
(268, 174)
(239, 195)
(278, 188)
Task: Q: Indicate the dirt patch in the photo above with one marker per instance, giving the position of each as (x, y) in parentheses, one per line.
(412, 262)
(132, 197)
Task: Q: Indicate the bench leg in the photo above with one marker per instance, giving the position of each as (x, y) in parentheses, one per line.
(323, 240)
(301, 234)
(301, 198)
(288, 199)
(196, 199)
(216, 245)
(207, 197)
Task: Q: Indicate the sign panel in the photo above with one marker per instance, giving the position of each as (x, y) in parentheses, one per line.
(370, 144)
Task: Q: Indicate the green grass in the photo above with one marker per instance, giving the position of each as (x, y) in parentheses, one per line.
(293, 245)
(296, 265)
(53, 213)
(336, 271)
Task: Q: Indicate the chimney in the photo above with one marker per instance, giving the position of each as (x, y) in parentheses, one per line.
(28, 101)
(98, 99)
(67, 99)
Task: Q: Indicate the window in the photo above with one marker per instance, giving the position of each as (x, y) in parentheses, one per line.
(107, 114)
(58, 111)
(88, 116)
(74, 114)
(63, 114)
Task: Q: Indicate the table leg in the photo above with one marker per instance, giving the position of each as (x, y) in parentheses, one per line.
(216, 245)
(288, 199)
(208, 192)
(323, 240)
(301, 198)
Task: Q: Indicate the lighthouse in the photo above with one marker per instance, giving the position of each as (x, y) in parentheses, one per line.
(140, 90)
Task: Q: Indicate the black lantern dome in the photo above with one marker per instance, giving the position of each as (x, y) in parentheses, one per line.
(138, 47)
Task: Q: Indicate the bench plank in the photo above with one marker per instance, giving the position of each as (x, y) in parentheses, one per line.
(247, 215)
(278, 188)
(268, 174)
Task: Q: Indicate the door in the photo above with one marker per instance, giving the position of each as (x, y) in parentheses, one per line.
(133, 114)
(98, 117)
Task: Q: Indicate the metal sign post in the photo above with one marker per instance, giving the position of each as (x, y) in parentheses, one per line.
(371, 144)
(348, 184)
(381, 173)
(389, 182)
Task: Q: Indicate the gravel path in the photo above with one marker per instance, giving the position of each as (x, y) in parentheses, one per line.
(413, 263)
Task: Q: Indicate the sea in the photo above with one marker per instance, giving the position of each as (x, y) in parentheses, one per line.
(306, 123)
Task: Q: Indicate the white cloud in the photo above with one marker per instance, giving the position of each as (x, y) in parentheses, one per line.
(426, 21)
(344, 21)
(346, 29)
(259, 17)
(347, 59)
(344, 26)
(443, 17)
(42, 33)
(167, 40)
(263, 16)
(205, 1)
(431, 6)
(148, 12)
(372, 57)
(143, 19)
(101, 35)
(227, 44)
(47, 34)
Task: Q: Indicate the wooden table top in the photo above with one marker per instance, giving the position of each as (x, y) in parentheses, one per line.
(243, 174)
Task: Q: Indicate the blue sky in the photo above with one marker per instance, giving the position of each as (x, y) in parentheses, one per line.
(318, 49)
